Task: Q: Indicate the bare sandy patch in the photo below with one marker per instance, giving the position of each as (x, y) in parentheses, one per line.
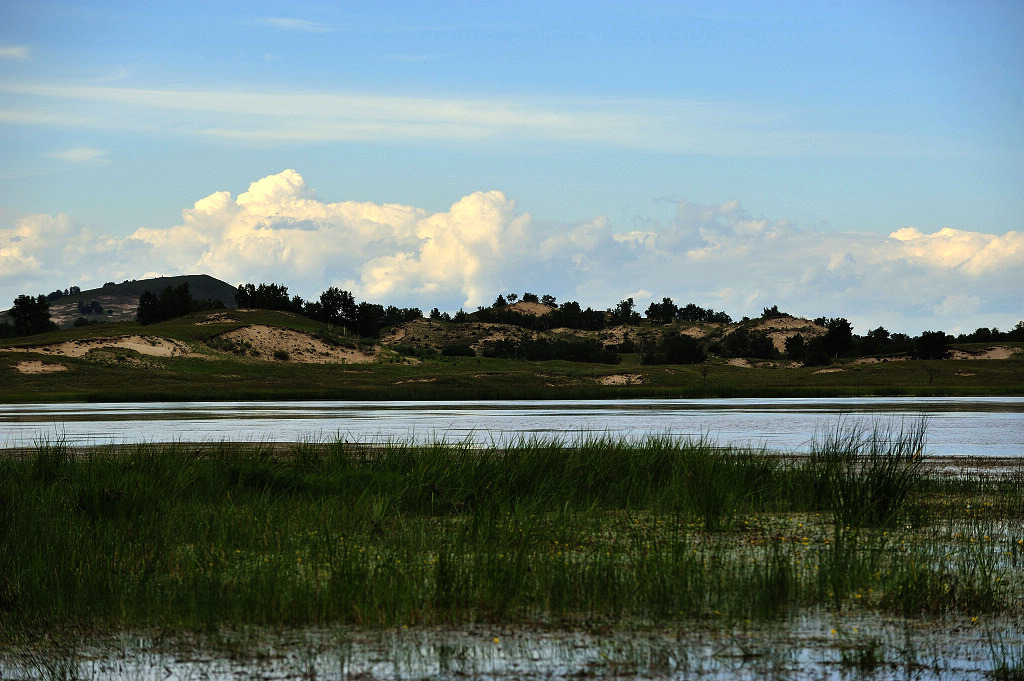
(965, 373)
(499, 332)
(144, 345)
(615, 335)
(301, 347)
(395, 335)
(693, 332)
(416, 380)
(39, 367)
(781, 329)
(621, 379)
(879, 360)
(996, 352)
(535, 309)
(786, 324)
(831, 370)
(739, 362)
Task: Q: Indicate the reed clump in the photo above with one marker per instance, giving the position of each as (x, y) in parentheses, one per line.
(595, 530)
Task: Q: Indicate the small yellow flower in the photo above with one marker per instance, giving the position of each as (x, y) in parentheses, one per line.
(496, 640)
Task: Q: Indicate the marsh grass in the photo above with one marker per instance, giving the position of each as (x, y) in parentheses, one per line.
(596, 531)
(867, 475)
(1007, 659)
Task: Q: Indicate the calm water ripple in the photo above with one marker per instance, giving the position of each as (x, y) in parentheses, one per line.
(985, 426)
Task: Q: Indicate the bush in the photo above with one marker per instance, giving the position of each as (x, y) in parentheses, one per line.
(458, 350)
(677, 349)
(281, 355)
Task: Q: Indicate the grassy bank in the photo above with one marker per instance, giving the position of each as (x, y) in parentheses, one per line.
(573, 534)
(127, 376)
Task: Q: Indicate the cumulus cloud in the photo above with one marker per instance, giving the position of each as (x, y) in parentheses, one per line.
(719, 256)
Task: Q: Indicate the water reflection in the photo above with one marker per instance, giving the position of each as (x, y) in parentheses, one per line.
(956, 426)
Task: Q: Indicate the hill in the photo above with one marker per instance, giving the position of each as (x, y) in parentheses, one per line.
(247, 354)
(120, 301)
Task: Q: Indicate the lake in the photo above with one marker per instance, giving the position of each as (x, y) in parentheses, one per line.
(972, 426)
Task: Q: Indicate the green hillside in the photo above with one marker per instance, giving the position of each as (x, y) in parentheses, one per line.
(260, 354)
(120, 301)
(200, 285)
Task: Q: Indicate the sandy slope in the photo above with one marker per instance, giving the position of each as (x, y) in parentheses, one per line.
(144, 345)
(301, 347)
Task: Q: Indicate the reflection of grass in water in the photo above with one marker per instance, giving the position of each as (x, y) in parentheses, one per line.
(863, 647)
(595, 531)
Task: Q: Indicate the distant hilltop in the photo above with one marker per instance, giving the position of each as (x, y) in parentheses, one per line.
(115, 302)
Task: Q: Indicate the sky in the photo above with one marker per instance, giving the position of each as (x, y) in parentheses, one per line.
(858, 159)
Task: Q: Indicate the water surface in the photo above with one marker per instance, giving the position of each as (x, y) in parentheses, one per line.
(974, 426)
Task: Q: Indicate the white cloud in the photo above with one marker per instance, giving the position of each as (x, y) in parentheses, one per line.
(716, 256)
(15, 52)
(80, 155)
(293, 24)
(668, 126)
(973, 253)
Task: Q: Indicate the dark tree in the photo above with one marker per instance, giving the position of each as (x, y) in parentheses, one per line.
(743, 343)
(876, 340)
(696, 313)
(264, 297)
(500, 302)
(93, 307)
(530, 298)
(31, 315)
(676, 349)
(737, 344)
(762, 346)
(173, 301)
(931, 345)
(663, 312)
(338, 307)
(795, 347)
(549, 300)
(838, 338)
(815, 352)
(624, 313)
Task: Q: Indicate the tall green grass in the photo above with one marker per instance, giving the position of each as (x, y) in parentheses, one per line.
(595, 530)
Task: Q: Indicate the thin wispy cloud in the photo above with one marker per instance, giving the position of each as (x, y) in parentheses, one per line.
(80, 155)
(293, 24)
(683, 126)
(15, 52)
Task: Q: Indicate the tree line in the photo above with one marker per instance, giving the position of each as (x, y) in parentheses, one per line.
(335, 307)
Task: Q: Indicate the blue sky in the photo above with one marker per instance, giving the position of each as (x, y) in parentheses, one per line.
(857, 159)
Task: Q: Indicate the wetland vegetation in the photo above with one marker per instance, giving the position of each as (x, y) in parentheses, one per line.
(594, 535)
